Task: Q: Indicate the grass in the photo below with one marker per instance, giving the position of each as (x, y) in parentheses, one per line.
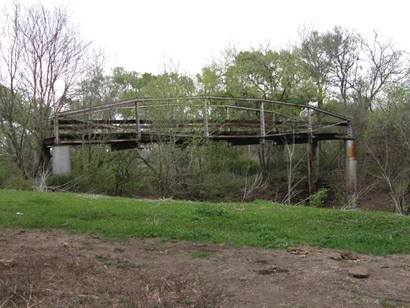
(258, 224)
(200, 254)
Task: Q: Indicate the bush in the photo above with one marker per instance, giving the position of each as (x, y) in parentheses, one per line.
(18, 182)
(63, 182)
(212, 211)
(318, 199)
(219, 186)
(243, 166)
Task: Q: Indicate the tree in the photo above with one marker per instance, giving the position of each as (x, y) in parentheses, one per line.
(316, 63)
(41, 56)
(210, 81)
(343, 48)
(387, 138)
(382, 66)
(14, 138)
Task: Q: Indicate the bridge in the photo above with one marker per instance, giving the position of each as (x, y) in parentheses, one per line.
(183, 120)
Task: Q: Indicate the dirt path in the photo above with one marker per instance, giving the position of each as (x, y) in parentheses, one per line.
(61, 269)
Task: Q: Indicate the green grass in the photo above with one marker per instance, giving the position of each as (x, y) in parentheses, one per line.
(259, 224)
(200, 254)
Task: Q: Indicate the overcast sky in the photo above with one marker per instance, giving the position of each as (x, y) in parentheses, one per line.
(144, 35)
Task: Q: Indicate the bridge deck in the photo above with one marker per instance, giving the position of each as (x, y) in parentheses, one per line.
(129, 140)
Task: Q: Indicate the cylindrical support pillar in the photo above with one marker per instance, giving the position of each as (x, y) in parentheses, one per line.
(351, 167)
(61, 161)
(313, 166)
(313, 157)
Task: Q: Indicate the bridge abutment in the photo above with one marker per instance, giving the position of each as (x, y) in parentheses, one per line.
(61, 160)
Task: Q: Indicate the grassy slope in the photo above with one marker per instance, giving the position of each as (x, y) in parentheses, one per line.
(257, 224)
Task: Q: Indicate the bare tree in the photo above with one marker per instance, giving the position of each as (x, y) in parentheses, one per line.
(343, 48)
(253, 184)
(387, 139)
(42, 55)
(382, 66)
(397, 181)
(291, 167)
(355, 66)
(14, 115)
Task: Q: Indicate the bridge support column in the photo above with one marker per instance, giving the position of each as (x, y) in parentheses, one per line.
(351, 169)
(61, 160)
(313, 166)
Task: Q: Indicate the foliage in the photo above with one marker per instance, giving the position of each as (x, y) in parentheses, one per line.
(387, 139)
(318, 198)
(211, 212)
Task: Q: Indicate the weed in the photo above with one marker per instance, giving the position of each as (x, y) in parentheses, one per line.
(212, 211)
(200, 254)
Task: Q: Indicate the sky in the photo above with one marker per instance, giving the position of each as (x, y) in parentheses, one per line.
(152, 35)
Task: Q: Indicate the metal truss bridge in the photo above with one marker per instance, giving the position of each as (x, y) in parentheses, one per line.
(238, 121)
(186, 120)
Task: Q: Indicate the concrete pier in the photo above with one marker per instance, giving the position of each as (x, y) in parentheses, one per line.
(61, 160)
(351, 167)
(313, 166)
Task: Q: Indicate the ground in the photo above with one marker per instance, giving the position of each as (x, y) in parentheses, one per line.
(57, 268)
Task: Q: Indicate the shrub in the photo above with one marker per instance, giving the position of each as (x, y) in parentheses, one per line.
(243, 166)
(318, 199)
(212, 211)
(62, 182)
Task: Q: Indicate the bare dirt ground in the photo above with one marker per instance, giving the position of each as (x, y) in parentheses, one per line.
(54, 268)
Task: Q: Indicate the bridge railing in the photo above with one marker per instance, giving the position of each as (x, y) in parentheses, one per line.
(168, 119)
